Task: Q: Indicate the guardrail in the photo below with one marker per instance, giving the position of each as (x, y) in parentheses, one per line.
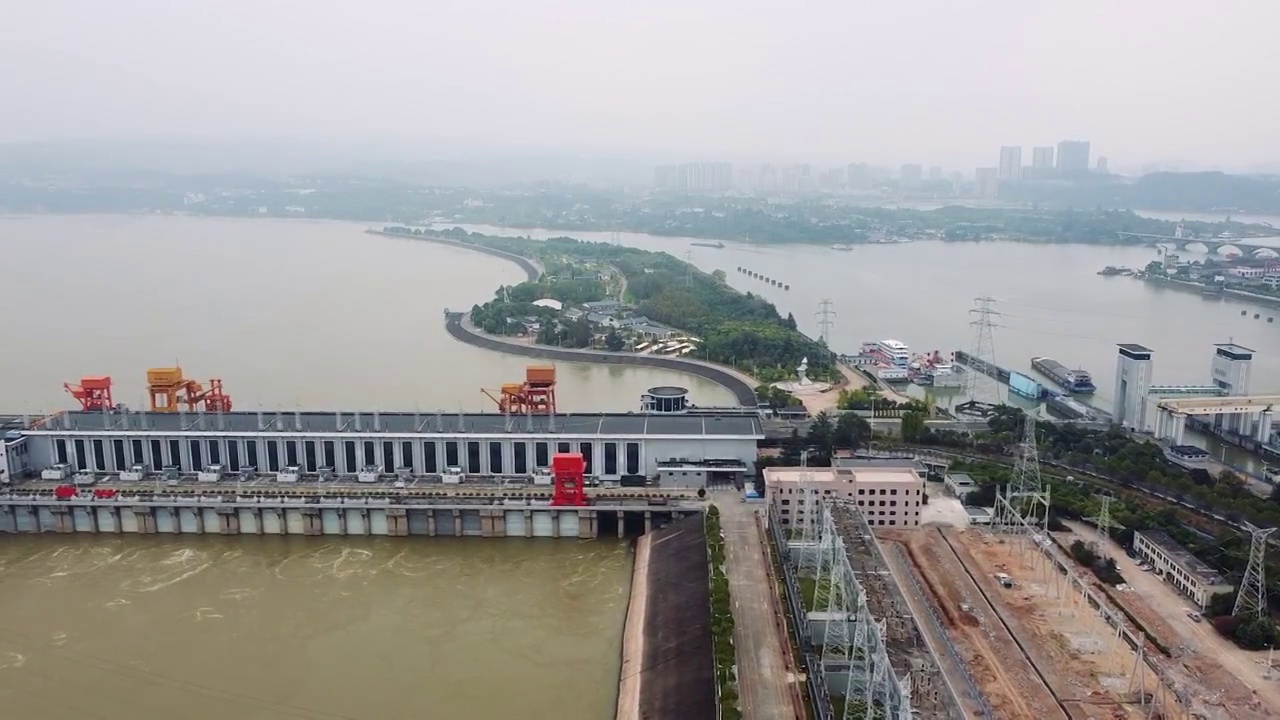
(970, 686)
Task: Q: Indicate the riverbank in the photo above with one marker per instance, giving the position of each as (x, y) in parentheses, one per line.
(1266, 301)
(667, 665)
(742, 386)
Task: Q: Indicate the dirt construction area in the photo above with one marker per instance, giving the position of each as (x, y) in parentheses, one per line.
(1222, 680)
(1009, 683)
(1036, 649)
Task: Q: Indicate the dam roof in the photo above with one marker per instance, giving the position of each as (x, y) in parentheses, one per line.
(390, 423)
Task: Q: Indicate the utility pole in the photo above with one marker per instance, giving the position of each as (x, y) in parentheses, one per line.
(1252, 598)
(826, 319)
(1103, 520)
(984, 351)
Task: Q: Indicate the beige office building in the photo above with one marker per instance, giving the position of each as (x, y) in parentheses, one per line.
(886, 496)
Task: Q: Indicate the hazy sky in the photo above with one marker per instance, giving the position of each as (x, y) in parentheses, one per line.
(930, 81)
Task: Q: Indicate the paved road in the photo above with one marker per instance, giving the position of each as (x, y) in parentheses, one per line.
(765, 684)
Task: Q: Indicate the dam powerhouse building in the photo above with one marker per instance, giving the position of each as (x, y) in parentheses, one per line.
(681, 450)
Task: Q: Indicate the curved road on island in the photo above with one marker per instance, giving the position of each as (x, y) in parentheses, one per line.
(460, 328)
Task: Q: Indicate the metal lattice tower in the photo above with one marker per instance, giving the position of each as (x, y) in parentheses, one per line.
(688, 267)
(826, 319)
(1252, 598)
(1103, 521)
(615, 238)
(1027, 493)
(977, 384)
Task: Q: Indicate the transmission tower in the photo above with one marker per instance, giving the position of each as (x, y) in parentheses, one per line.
(688, 267)
(615, 238)
(1027, 491)
(1252, 598)
(1103, 521)
(826, 319)
(979, 384)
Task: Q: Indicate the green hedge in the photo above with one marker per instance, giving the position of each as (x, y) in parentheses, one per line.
(721, 620)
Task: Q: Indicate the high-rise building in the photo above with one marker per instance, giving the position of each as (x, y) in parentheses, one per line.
(910, 174)
(694, 177)
(858, 176)
(935, 173)
(1073, 156)
(1042, 158)
(988, 181)
(1102, 166)
(1133, 377)
(1010, 164)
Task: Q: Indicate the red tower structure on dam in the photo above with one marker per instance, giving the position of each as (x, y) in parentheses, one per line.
(568, 472)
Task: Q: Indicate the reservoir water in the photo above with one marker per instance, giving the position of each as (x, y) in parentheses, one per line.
(289, 313)
(261, 628)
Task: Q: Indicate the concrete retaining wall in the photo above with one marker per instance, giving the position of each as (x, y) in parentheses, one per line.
(742, 391)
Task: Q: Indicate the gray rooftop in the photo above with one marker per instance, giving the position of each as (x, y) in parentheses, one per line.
(1191, 564)
(635, 424)
(856, 462)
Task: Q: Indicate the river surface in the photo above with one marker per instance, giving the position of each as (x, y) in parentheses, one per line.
(261, 628)
(1050, 298)
(289, 313)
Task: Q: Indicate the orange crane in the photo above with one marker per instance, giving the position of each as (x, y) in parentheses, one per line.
(535, 396)
(93, 393)
(168, 389)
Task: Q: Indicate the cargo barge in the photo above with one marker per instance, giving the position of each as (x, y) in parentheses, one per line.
(1078, 382)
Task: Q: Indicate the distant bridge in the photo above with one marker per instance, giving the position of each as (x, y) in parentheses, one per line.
(1253, 244)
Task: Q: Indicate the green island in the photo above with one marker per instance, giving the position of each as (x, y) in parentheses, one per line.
(1080, 465)
(621, 299)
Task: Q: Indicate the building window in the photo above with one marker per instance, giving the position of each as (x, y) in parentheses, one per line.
(368, 458)
(60, 450)
(785, 502)
(542, 454)
(633, 458)
(175, 453)
(99, 456)
(388, 456)
(349, 451)
(429, 457)
(451, 454)
(563, 447)
(136, 446)
(117, 450)
(473, 457)
(893, 491)
(273, 456)
(495, 458)
(233, 455)
(251, 454)
(862, 491)
(327, 455)
(291, 453)
(309, 455)
(893, 522)
(520, 458)
(197, 458)
(215, 452)
(585, 449)
(611, 458)
(406, 454)
(893, 503)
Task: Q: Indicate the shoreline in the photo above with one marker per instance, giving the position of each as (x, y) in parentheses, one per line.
(629, 675)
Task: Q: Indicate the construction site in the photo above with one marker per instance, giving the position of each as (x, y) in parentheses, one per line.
(1029, 634)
